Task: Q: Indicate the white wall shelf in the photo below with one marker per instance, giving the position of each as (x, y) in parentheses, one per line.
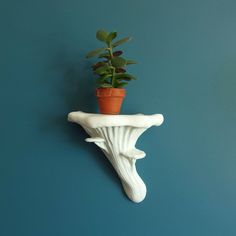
(117, 135)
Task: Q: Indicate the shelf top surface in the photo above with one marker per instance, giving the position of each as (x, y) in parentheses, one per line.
(93, 120)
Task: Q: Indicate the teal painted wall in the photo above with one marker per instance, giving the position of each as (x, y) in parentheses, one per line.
(53, 183)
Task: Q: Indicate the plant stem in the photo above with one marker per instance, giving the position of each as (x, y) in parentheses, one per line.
(113, 69)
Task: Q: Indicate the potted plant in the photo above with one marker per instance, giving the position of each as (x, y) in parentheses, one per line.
(111, 72)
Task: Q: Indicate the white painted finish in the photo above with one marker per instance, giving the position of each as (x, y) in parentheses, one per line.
(117, 135)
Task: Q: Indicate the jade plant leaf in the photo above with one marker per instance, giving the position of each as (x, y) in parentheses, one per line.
(101, 80)
(102, 35)
(95, 52)
(105, 85)
(110, 37)
(103, 70)
(130, 62)
(118, 62)
(117, 53)
(124, 76)
(121, 85)
(104, 77)
(121, 41)
(98, 64)
(120, 70)
(104, 55)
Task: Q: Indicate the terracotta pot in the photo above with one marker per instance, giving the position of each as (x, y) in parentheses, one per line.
(110, 100)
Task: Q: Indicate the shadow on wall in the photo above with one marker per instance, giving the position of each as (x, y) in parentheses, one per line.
(67, 79)
(76, 85)
(76, 91)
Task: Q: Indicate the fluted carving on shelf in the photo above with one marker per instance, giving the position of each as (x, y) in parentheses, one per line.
(117, 135)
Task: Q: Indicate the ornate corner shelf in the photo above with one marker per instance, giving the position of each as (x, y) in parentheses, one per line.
(117, 135)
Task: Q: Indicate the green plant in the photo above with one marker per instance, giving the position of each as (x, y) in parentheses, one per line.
(111, 67)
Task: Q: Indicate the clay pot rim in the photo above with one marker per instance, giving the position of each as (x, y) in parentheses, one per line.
(111, 88)
(110, 92)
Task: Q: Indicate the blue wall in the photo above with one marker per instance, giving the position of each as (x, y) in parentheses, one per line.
(53, 183)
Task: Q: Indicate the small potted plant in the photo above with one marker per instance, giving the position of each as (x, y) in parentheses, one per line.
(111, 72)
